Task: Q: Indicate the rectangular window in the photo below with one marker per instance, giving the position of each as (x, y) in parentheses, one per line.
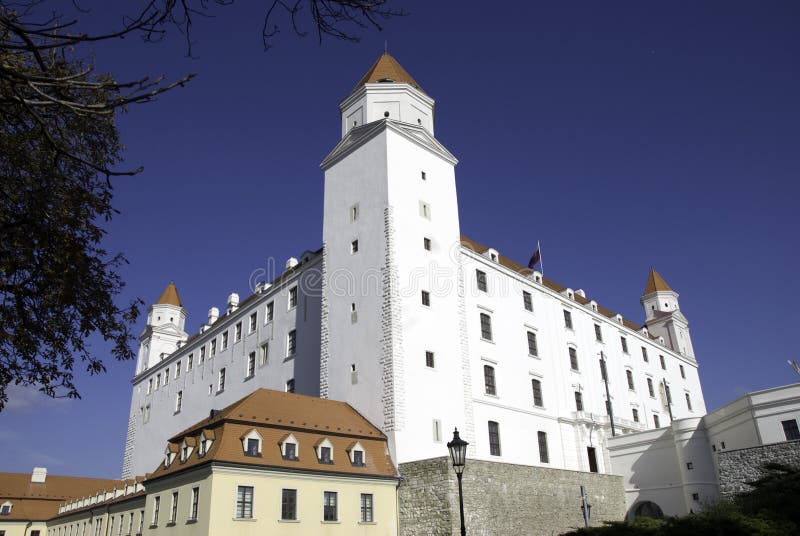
(567, 319)
(544, 456)
(603, 373)
(429, 361)
(358, 458)
(598, 333)
(683, 372)
(486, 327)
(354, 247)
(221, 380)
(536, 385)
(426, 243)
(650, 389)
(269, 313)
(189, 362)
(156, 508)
(533, 348)
(481, 279)
(494, 438)
(290, 451)
(437, 431)
(790, 430)
(173, 514)
(366, 508)
(325, 455)
(329, 512)
(354, 213)
(688, 402)
(253, 322)
(141, 522)
(656, 422)
(290, 385)
(527, 301)
(158, 381)
(635, 415)
(263, 354)
(178, 401)
(178, 369)
(663, 362)
(644, 355)
(244, 502)
(252, 447)
(573, 358)
(422, 175)
(624, 343)
(203, 354)
(292, 297)
(149, 386)
(629, 375)
(488, 380)
(251, 365)
(195, 503)
(426, 298)
(424, 210)
(291, 343)
(225, 339)
(578, 401)
(237, 332)
(213, 350)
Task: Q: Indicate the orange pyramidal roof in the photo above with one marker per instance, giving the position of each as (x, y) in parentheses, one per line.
(655, 283)
(386, 69)
(170, 296)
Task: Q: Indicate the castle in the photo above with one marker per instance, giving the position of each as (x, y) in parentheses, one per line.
(417, 327)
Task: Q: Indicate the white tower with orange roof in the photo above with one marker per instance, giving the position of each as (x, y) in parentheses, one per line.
(164, 331)
(663, 315)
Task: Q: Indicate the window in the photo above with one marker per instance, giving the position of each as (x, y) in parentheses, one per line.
(573, 358)
(422, 175)
(156, 508)
(532, 346)
(481, 279)
(225, 337)
(688, 401)
(189, 362)
(325, 455)
(656, 422)
(624, 343)
(689, 466)
(195, 503)
(598, 333)
(663, 362)
(683, 372)
(429, 362)
(424, 210)
(635, 414)
(790, 430)
(426, 298)
(290, 385)
(426, 243)
(178, 369)
(221, 380)
(695, 496)
(202, 354)
(354, 247)
(578, 401)
(366, 508)
(358, 458)
(251, 448)
(486, 327)
(354, 213)
(494, 438)
(289, 450)
(567, 319)
(527, 301)
(629, 375)
(668, 393)
(536, 385)
(437, 431)
(270, 312)
(291, 343)
(544, 456)
(173, 514)
(329, 512)
(5, 509)
(603, 374)
(644, 355)
(488, 380)
(650, 389)
(178, 401)
(292, 297)
(263, 354)
(158, 381)
(244, 502)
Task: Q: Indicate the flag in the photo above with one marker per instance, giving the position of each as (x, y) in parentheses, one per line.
(535, 258)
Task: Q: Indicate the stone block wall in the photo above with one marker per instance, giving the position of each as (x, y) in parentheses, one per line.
(502, 499)
(737, 467)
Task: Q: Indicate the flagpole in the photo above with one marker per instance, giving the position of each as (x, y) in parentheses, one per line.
(541, 262)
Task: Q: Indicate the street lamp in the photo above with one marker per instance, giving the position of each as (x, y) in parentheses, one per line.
(458, 452)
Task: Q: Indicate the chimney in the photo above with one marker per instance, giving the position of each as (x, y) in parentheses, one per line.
(233, 302)
(39, 475)
(213, 314)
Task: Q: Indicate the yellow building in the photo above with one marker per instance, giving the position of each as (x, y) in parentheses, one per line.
(271, 463)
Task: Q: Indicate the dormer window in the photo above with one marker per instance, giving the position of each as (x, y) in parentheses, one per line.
(169, 454)
(324, 450)
(251, 443)
(289, 447)
(356, 453)
(5, 509)
(206, 439)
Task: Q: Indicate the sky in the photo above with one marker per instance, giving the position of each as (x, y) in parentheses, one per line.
(620, 135)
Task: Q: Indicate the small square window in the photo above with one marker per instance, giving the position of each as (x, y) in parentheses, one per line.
(290, 385)
(644, 355)
(689, 466)
(252, 447)
(426, 243)
(354, 213)
(424, 210)
(635, 414)
(567, 319)
(253, 322)
(354, 247)
(292, 297)
(429, 361)
(237, 332)
(481, 279)
(527, 301)
(426, 298)
(695, 496)
(325, 455)
(663, 362)
(422, 175)
(291, 343)
(270, 312)
(683, 372)
(578, 401)
(225, 340)
(790, 430)
(598, 333)
(624, 342)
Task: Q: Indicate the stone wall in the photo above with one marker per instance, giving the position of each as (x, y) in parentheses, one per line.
(502, 499)
(737, 467)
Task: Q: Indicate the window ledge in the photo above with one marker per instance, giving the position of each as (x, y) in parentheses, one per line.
(153, 527)
(575, 370)
(490, 341)
(245, 519)
(248, 378)
(171, 524)
(337, 522)
(535, 356)
(288, 521)
(219, 392)
(491, 395)
(191, 521)
(367, 523)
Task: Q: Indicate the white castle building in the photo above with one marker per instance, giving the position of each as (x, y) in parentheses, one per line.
(416, 326)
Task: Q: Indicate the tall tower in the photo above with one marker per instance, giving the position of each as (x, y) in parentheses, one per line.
(663, 314)
(164, 330)
(392, 299)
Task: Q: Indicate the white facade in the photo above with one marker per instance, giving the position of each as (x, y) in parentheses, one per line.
(395, 326)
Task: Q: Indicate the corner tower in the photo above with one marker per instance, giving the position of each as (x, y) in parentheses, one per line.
(392, 310)
(663, 314)
(164, 330)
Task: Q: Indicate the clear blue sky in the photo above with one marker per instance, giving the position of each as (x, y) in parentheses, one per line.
(619, 134)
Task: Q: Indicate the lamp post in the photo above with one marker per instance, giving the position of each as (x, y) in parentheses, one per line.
(458, 452)
(586, 508)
